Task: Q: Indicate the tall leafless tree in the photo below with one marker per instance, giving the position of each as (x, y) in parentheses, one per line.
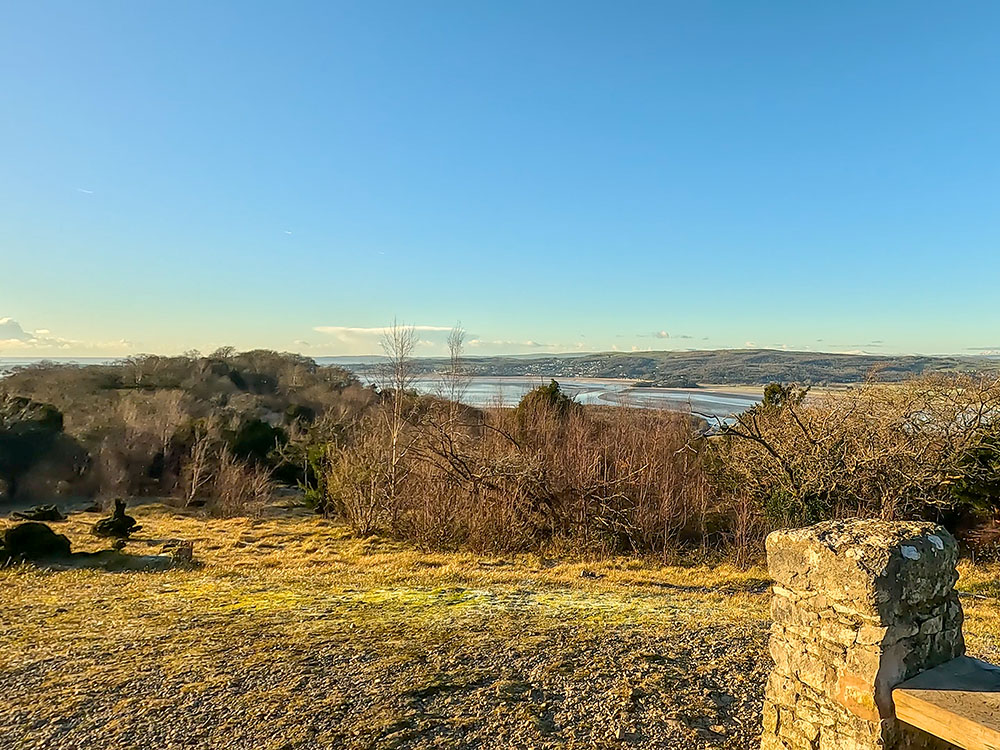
(455, 378)
(396, 378)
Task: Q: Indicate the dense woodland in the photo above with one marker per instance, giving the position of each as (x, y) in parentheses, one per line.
(223, 432)
(193, 427)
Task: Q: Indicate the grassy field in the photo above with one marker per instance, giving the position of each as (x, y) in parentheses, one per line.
(293, 634)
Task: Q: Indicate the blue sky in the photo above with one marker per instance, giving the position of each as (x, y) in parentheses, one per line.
(556, 175)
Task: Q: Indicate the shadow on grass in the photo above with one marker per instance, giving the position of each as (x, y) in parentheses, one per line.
(112, 561)
(749, 586)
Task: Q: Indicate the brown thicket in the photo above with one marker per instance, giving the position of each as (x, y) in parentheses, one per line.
(613, 479)
(602, 480)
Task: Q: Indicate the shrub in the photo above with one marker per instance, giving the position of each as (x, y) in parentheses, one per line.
(128, 425)
(28, 432)
(240, 488)
(358, 485)
(257, 440)
(923, 449)
(545, 398)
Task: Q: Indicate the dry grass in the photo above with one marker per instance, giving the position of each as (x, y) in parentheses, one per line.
(980, 589)
(295, 634)
(298, 562)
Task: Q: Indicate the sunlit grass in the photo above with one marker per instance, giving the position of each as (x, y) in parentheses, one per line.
(298, 566)
(980, 588)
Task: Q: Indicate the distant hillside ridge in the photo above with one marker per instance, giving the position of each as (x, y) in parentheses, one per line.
(677, 369)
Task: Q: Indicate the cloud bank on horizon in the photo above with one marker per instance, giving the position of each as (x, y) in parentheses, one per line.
(16, 341)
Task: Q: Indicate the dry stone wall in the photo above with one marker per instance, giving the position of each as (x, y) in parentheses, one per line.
(858, 607)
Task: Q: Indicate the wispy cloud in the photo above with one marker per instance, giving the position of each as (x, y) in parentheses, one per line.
(365, 340)
(84, 191)
(661, 334)
(653, 335)
(855, 348)
(375, 331)
(509, 343)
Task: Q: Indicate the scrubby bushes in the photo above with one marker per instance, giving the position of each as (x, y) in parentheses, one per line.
(27, 431)
(35, 454)
(927, 448)
(239, 487)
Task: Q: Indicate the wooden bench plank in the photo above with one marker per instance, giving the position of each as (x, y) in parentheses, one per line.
(958, 702)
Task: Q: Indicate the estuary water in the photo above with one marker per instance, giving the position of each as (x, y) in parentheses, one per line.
(712, 405)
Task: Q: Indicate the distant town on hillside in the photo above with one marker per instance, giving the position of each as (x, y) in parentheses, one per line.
(687, 369)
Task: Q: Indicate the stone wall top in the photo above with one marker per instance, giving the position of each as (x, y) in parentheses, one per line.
(875, 568)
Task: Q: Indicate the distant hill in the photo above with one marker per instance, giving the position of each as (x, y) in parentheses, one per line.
(725, 366)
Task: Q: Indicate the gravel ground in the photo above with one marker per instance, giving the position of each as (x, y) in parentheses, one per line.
(516, 683)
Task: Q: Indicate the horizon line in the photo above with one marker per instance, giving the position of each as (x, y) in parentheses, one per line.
(982, 353)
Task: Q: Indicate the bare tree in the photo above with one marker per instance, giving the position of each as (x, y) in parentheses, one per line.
(396, 377)
(397, 373)
(142, 366)
(223, 352)
(455, 378)
(198, 473)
